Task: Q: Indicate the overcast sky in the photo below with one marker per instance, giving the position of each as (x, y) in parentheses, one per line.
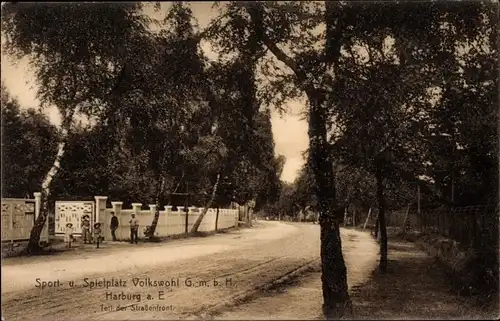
(290, 131)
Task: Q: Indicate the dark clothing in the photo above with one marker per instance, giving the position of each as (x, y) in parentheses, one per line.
(113, 226)
(133, 235)
(114, 223)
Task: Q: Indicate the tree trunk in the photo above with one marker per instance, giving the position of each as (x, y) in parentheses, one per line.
(36, 231)
(367, 218)
(334, 272)
(336, 301)
(377, 225)
(381, 217)
(159, 193)
(196, 225)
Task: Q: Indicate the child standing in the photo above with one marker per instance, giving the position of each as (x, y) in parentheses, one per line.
(97, 234)
(86, 229)
(68, 235)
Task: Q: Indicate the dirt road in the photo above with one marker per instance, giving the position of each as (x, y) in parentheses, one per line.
(179, 280)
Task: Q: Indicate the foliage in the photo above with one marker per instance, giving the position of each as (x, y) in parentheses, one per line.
(29, 141)
(88, 59)
(77, 51)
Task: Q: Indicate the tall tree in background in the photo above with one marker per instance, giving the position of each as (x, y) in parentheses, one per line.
(173, 101)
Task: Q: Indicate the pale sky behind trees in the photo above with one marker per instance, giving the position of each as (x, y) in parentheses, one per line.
(289, 130)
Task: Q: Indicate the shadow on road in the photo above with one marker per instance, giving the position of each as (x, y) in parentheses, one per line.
(415, 287)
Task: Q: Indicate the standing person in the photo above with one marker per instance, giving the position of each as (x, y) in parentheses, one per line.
(97, 234)
(113, 225)
(68, 235)
(86, 229)
(134, 228)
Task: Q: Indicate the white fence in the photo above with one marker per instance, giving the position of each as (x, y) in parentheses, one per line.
(72, 212)
(18, 218)
(170, 222)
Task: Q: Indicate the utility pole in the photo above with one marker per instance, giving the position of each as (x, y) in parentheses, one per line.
(186, 204)
(452, 187)
(418, 199)
(418, 206)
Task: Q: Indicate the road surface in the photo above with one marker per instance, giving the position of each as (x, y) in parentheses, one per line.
(182, 279)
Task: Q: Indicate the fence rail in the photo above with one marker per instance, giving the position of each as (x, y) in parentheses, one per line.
(472, 226)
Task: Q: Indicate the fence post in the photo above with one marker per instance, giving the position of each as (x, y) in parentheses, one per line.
(100, 206)
(117, 207)
(406, 218)
(136, 207)
(11, 223)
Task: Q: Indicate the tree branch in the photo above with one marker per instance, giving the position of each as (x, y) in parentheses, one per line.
(256, 11)
(119, 79)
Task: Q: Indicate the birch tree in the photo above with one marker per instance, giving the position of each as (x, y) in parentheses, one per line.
(78, 53)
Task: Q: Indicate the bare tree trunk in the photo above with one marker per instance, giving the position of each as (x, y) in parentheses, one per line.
(36, 231)
(381, 217)
(159, 193)
(367, 218)
(196, 224)
(377, 225)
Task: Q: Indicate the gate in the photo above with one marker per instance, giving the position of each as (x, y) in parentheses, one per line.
(72, 212)
(18, 218)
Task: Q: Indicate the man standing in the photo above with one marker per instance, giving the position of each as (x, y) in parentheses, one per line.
(113, 225)
(134, 228)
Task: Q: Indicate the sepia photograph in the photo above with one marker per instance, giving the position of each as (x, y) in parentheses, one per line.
(250, 160)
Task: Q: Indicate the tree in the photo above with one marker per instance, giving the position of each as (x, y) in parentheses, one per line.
(80, 54)
(244, 129)
(462, 131)
(383, 128)
(97, 163)
(28, 143)
(289, 32)
(306, 70)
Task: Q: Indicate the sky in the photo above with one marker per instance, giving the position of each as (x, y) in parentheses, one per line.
(289, 130)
